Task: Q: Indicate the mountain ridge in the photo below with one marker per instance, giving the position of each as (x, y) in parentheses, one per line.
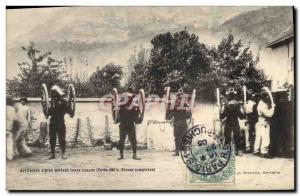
(259, 26)
(102, 38)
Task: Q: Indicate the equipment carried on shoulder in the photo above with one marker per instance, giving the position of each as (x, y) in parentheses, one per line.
(70, 98)
(179, 101)
(128, 101)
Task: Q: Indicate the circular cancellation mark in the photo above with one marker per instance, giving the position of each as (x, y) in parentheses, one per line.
(203, 151)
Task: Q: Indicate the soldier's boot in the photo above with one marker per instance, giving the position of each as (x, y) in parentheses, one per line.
(249, 150)
(121, 157)
(134, 156)
(26, 151)
(63, 155)
(52, 156)
(177, 144)
(176, 152)
(16, 153)
(239, 153)
(266, 155)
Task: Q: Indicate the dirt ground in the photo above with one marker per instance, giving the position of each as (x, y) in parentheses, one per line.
(93, 168)
(98, 169)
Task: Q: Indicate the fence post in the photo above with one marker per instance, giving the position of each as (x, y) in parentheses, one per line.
(107, 143)
(78, 125)
(43, 133)
(107, 133)
(90, 131)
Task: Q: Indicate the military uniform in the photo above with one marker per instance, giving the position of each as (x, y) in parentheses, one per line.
(251, 119)
(10, 120)
(262, 140)
(57, 126)
(180, 126)
(229, 116)
(180, 116)
(21, 129)
(128, 117)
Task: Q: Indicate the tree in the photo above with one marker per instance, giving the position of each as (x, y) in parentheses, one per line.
(84, 89)
(180, 60)
(105, 79)
(177, 59)
(41, 68)
(234, 65)
(139, 66)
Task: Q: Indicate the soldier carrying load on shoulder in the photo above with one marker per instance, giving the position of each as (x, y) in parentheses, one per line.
(179, 116)
(128, 116)
(229, 115)
(57, 111)
(265, 110)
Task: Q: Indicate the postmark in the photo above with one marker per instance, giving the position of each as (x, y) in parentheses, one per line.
(206, 155)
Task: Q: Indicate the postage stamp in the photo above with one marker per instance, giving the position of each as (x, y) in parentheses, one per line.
(207, 157)
(105, 98)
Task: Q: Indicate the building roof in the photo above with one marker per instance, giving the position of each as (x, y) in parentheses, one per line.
(282, 37)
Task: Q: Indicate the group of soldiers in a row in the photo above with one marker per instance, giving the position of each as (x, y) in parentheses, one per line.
(257, 113)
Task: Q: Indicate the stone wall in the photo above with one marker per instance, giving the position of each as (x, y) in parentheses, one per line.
(157, 135)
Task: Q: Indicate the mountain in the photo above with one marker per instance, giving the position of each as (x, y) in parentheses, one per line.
(100, 35)
(113, 24)
(258, 26)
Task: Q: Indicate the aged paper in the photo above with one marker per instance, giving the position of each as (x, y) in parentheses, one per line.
(150, 98)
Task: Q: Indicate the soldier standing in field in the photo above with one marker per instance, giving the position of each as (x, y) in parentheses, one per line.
(265, 110)
(230, 115)
(128, 116)
(179, 116)
(22, 122)
(57, 111)
(251, 119)
(10, 121)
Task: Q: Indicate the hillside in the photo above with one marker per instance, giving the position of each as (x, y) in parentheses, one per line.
(258, 26)
(101, 35)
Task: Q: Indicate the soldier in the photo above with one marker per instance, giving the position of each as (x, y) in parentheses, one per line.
(251, 119)
(265, 110)
(179, 116)
(27, 112)
(57, 111)
(10, 121)
(128, 116)
(22, 126)
(232, 111)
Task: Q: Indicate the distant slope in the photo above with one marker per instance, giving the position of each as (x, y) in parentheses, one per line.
(99, 35)
(258, 26)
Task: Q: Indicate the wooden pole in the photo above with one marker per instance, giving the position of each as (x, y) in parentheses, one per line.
(90, 131)
(107, 133)
(43, 133)
(78, 124)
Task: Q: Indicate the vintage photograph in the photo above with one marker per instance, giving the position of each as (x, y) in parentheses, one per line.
(150, 98)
